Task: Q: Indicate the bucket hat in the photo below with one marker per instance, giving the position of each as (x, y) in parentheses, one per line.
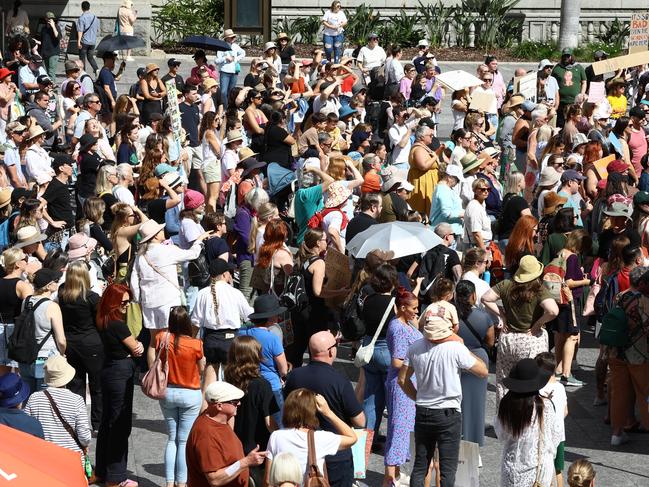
(619, 209)
(58, 372)
(80, 245)
(337, 194)
(4, 72)
(529, 269)
(550, 202)
(13, 390)
(549, 177)
(266, 306)
(270, 45)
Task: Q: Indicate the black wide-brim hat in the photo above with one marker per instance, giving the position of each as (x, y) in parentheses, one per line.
(266, 306)
(526, 377)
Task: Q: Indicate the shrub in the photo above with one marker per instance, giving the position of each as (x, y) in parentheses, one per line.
(176, 19)
(361, 22)
(401, 29)
(307, 28)
(436, 20)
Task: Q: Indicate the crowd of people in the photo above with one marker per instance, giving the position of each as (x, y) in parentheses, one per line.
(129, 238)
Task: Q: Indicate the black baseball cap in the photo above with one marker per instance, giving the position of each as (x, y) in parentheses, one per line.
(61, 160)
(173, 62)
(219, 266)
(43, 79)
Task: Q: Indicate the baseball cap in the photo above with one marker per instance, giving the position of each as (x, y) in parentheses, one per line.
(36, 59)
(43, 79)
(566, 51)
(173, 62)
(571, 175)
(423, 43)
(71, 66)
(221, 391)
(163, 168)
(544, 64)
(373, 35)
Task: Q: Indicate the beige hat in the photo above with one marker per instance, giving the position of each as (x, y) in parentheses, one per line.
(228, 33)
(27, 236)
(337, 194)
(244, 153)
(149, 229)
(437, 329)
(34, 131)
(151, 67)
(221, 391)
(5, 197)
(233, 136)
(269, 45)
(209, 83)
(15, 126)
(283, 35)
(529, 268)
(549, 176)
(58, 372)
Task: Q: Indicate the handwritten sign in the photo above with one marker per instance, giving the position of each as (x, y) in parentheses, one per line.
(600, 165)
(482, 102)
(526, 86)
(639, 32)
(596, 91)
(458, 80)
(620, 62)
(337, 273)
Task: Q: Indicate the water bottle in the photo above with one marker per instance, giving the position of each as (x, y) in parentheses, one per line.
(487, 277)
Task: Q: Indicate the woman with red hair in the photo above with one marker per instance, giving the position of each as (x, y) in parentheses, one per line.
(593, 152)
(521, 242)
(117, 381)
(275, 259)
(402, 332)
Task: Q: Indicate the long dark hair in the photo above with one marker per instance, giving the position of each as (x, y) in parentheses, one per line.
(516, 411)
(244, 357)
(463, 292)
(521, 292)
(179, 324)
(564, 220)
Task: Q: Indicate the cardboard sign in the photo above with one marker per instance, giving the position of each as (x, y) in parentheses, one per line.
(620, 62)
(596, 92)
(639, 32)
(526, 86)
(337, 272)
(173, 109)
(601, 164)
(458, 80)
(482, 102)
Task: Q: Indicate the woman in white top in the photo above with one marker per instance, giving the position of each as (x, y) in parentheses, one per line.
(126, 17)
(334, 21)
(37, 159)
(49, 323)
(104, 149)
(271, 57)
(70, 109)
(211, 145)
(190, 229)
(474, 264)
(460, 101)
(299, 420)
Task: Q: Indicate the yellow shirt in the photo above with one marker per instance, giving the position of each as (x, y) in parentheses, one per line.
(618, 105)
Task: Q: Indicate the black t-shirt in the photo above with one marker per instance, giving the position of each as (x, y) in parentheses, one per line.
(178, 80)
(112, 338)
(276, 150)
(109, 200)
(100, 236)
(157, 209)
(358, 224)
(251, 80)
(452, 259)
(88, 168)
(249, 424)
(215, 247)
(79, 315)
(606, 238)
(324, 379)
(190, 119)
(286, 53)
(49, 42)
(511, 212)
(374, 307)
(59, 202)
(399, 206)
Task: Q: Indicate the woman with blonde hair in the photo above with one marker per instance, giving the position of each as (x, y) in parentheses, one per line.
(212, 150)
(267, 212)
(84, 351)
(126, 222)
(13, 289)
(106, 181)
(581, 474)
(285, 471)
(104, 149)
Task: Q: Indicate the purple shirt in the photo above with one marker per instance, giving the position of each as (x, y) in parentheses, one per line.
(242, 225)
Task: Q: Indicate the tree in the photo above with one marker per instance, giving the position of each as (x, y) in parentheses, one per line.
(569, 23)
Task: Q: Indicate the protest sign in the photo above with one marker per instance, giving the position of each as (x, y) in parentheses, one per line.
(482, 102)
(526, 86)
(639, 32)
(600, 166)
(458, 80)
(620, 62)
(596, 91)
(337, 273)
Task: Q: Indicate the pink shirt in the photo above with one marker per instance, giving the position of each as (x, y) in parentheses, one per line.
(638, 147)
(499, 87)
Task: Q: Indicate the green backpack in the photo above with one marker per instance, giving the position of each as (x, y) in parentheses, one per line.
(614, 331)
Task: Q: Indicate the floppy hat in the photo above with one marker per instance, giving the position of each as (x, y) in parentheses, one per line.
(44, 276)
(71, 66)
(28, 235)
(149, 229)
(270, 45)
(346, 111)
(35, 131)
(470, 162)
(13, 390)
(529, 268)
(283, 35)
(209, 83)
(58, 372)
(455, 171)
(245, 153)
(221, 391)
(619, 209)
(233, 136)
(86, 142)
(228, 33)
(549, 176)
(579, 139)
(337, 194)
(219, 266)
(4, 72)
(550, 202)
(151, 67)
(526, 377)
(266, 306)
(571, 175)
(250, 164)
(617, 166)
(80, 245)
(193, 199)
(5, 197)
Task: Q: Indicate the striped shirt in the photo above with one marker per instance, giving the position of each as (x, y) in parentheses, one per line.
(73, 410)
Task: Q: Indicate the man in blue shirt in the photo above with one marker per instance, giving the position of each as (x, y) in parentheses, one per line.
(13, 392)
(570, 181)
(107, 78)
(87, 30)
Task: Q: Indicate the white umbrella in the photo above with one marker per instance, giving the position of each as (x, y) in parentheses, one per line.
(458, 80)
(402, 238)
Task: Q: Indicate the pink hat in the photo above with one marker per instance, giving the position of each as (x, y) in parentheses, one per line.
(80, 245)
(193, 199)
(337, 194)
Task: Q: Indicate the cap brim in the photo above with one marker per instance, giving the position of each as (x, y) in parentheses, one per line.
(22, 395)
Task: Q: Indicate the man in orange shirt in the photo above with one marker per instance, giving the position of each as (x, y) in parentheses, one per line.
(214, 453)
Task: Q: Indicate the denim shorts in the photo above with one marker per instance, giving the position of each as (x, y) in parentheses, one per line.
(6, 329)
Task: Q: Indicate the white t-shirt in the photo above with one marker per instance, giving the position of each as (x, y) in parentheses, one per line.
(481, 286)
(334, 219)
(399, 154)
(229, 161)
(437, 369)
(332, 105)
(332, 18)
(556, 393)
(189, 231)
(551, 89)
(371, 58)
(296, 442)
(123, 195)
(476, 220)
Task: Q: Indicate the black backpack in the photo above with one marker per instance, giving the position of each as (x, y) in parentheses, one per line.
(433, 266)
(22, 344)
(294, 296)
(352, 325)
(198, 271)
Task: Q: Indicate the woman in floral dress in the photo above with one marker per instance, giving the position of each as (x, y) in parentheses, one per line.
(402, 332)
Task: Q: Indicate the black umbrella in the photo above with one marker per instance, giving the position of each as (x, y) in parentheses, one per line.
(206, 42)
(120, 43)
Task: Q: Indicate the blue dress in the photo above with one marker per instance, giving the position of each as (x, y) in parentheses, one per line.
(401, 409)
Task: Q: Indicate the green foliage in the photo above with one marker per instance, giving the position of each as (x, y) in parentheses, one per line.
(436, 20)
(283, 25)
(533, 51)
(361, 22)
(493, 26)
(615, 36)
(176, 19)
(401, 29)
(307, 28)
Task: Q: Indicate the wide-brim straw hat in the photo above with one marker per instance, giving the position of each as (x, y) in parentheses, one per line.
(35, 131)
(228, 33)
(529, 268)
(233, 136)
(470, 162)
(5, 197)
(151, 67)
(283, 35)
(28, 235)
(149, 229)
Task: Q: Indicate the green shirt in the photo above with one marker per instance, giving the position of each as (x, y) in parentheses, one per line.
(521, 316)
(308, 201)
(569, 80)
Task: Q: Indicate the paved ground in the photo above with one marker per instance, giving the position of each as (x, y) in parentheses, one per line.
(587, 436)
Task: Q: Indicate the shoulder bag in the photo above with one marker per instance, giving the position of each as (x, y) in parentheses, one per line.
(183, 299)
(364, 353)
(154, 382)
(314, 476)
(537, 481)
(87, 464)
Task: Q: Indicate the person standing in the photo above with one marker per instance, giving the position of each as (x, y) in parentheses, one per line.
(126, 16)
(173, 64)
(50, 44)
(87, 30)
(477, 225)
(228, 64)
(437, 361)
(571, 78)
(334, 22)
(106, 80)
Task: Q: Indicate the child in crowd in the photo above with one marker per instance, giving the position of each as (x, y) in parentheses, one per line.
(440, 308)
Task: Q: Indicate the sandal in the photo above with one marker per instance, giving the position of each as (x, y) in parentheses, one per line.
(128, 483)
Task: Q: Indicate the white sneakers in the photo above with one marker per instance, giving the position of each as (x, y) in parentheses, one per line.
(619, 440)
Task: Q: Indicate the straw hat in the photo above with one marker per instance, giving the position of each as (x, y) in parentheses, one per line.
(34, 131)
(5, 197)
(529, 269)
(233, 136)
(228, 33)
(245, 153)
(149, 229)
(283, 35)
(513, 102)
(27, 236)
(337, 194)
(550, 202)
(470, 162)
(270, 45)
(549, 177)
(58, 372)
(209, 83)
(151, 67)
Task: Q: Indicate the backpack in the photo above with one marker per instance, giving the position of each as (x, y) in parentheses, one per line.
(352, 325)
(4, 234)
(98, 87)
(554, 280)
(22, 344)
(198, 271)
(316, 220)
(432, 266)
(294, 296)
(614, 331)
(605, 298)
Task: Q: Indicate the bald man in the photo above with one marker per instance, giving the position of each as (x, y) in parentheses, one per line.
(322, 378)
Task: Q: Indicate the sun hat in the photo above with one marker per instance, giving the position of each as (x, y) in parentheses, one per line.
(617, 166)
(5, 197)
(44, 276)
(151, 67)
(193, 199)
(346, 111)
(71, 66)
(337, 194)
(550, 202)
(4, 72)
(640, 198)
(80, 245)
(528, 106)
(209, 83)
(390, 181)
(249, 164)
(549, 176)
(455, 171)
(15, 126)
(86, 142)
(437, 327)
(58, 372)
(423, 43)
(283, 35)
(513, 102)
(619, 209)
(529, 268)
(571, 175)
(616, 82)
(172, 179)
(578, 139)
(233, 136)
(13, 390)
(270, 45)
(28, 235)
(544, 64)
(219, 266)
(227, 33)
(266, 306)
(163, 168)
(221, 391)
(44, 79)
(34, 131)
(149, 229)
(469, 162)
(245, 153)
(526, 377)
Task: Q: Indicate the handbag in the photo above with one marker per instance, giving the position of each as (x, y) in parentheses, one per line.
(314, 476)
(537, 482)
(365, 352)
(87, 464)
(154, 382)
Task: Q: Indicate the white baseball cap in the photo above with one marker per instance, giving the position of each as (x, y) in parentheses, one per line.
(423, 43)
(221, 391)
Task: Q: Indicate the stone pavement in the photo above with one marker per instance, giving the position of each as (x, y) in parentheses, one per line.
(586, 435)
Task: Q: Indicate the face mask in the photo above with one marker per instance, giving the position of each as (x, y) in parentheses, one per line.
(199, 216)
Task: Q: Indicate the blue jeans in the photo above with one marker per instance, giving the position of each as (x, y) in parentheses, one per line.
(228, 82)
(34, 375)
(333, 45)
(279, 399)
(180, 408)
(441, 428)
(376, 373)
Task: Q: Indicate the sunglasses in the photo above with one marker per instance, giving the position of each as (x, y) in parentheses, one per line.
(482, 189)
(126, 302)
(234, 402)
(333, 346)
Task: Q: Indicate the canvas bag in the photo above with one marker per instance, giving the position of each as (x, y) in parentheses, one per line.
(154, 382)
(314, 477)
(365, 352)
(467, 465)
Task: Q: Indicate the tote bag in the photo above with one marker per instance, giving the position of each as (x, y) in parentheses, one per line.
(154, 382)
